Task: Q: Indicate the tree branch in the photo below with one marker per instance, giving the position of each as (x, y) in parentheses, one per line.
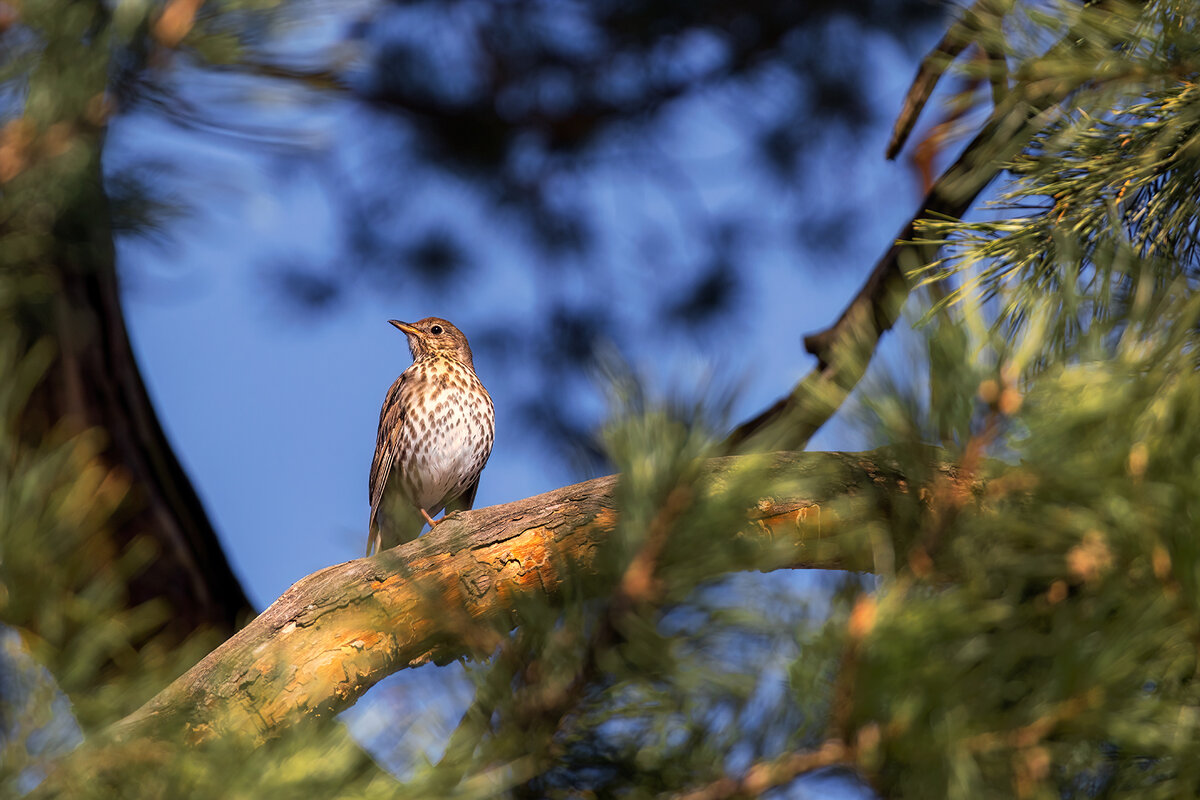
(337, 632)
(982, 15)
(844, 349)
(766, 775)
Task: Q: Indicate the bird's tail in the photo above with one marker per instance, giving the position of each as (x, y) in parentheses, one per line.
(374, 535)
(374, 541)
(399, 520)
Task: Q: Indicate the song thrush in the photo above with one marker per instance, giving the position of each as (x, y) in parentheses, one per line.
(435, 434)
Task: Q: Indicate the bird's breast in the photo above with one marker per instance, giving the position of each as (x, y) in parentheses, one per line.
(450, 427)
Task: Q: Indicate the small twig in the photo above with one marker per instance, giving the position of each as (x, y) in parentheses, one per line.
(1036, 731)
(965, 30)
(928, 74)
(547, 707)
(765, 775)
(638, 585)
(858, 626)
(637, 588)
(476, 720)
(312, 78)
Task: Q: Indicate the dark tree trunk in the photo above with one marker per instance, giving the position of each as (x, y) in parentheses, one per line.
(95, 382)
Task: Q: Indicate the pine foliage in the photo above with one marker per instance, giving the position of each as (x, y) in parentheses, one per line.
(1031, 628)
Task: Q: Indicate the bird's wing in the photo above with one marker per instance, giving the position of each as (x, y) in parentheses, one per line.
(391, 417)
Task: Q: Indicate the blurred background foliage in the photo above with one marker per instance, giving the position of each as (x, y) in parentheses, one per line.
(1030, 630)
(525, 118)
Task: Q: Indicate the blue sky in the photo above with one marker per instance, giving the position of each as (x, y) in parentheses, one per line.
(273, 410)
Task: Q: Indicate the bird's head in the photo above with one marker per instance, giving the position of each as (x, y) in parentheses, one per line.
(434, 336)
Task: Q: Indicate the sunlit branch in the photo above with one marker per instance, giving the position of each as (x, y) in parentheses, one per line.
(339, 631)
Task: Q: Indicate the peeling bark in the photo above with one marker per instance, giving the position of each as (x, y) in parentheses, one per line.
(451, 593)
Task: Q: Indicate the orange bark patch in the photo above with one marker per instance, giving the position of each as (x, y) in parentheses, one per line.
(606, 520)
(788, 519)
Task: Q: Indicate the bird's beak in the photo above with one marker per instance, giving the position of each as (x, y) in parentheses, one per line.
(404, 326)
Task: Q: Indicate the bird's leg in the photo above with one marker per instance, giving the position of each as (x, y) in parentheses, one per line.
(428, 518)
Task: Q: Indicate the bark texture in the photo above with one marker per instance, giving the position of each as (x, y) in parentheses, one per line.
(451, 593)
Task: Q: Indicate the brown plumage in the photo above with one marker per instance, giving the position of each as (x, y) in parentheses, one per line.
(435, 434)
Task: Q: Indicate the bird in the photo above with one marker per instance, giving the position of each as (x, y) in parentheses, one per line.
(436, 430)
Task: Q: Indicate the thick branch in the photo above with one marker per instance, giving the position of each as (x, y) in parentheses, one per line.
(844, 349)
(337, 632)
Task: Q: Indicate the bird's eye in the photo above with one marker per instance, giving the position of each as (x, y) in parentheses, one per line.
(436, 329)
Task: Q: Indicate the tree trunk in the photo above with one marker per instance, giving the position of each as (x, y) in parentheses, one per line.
(95, 382)
(60, 284)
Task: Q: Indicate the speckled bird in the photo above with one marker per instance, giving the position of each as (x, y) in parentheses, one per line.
(435, 434)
